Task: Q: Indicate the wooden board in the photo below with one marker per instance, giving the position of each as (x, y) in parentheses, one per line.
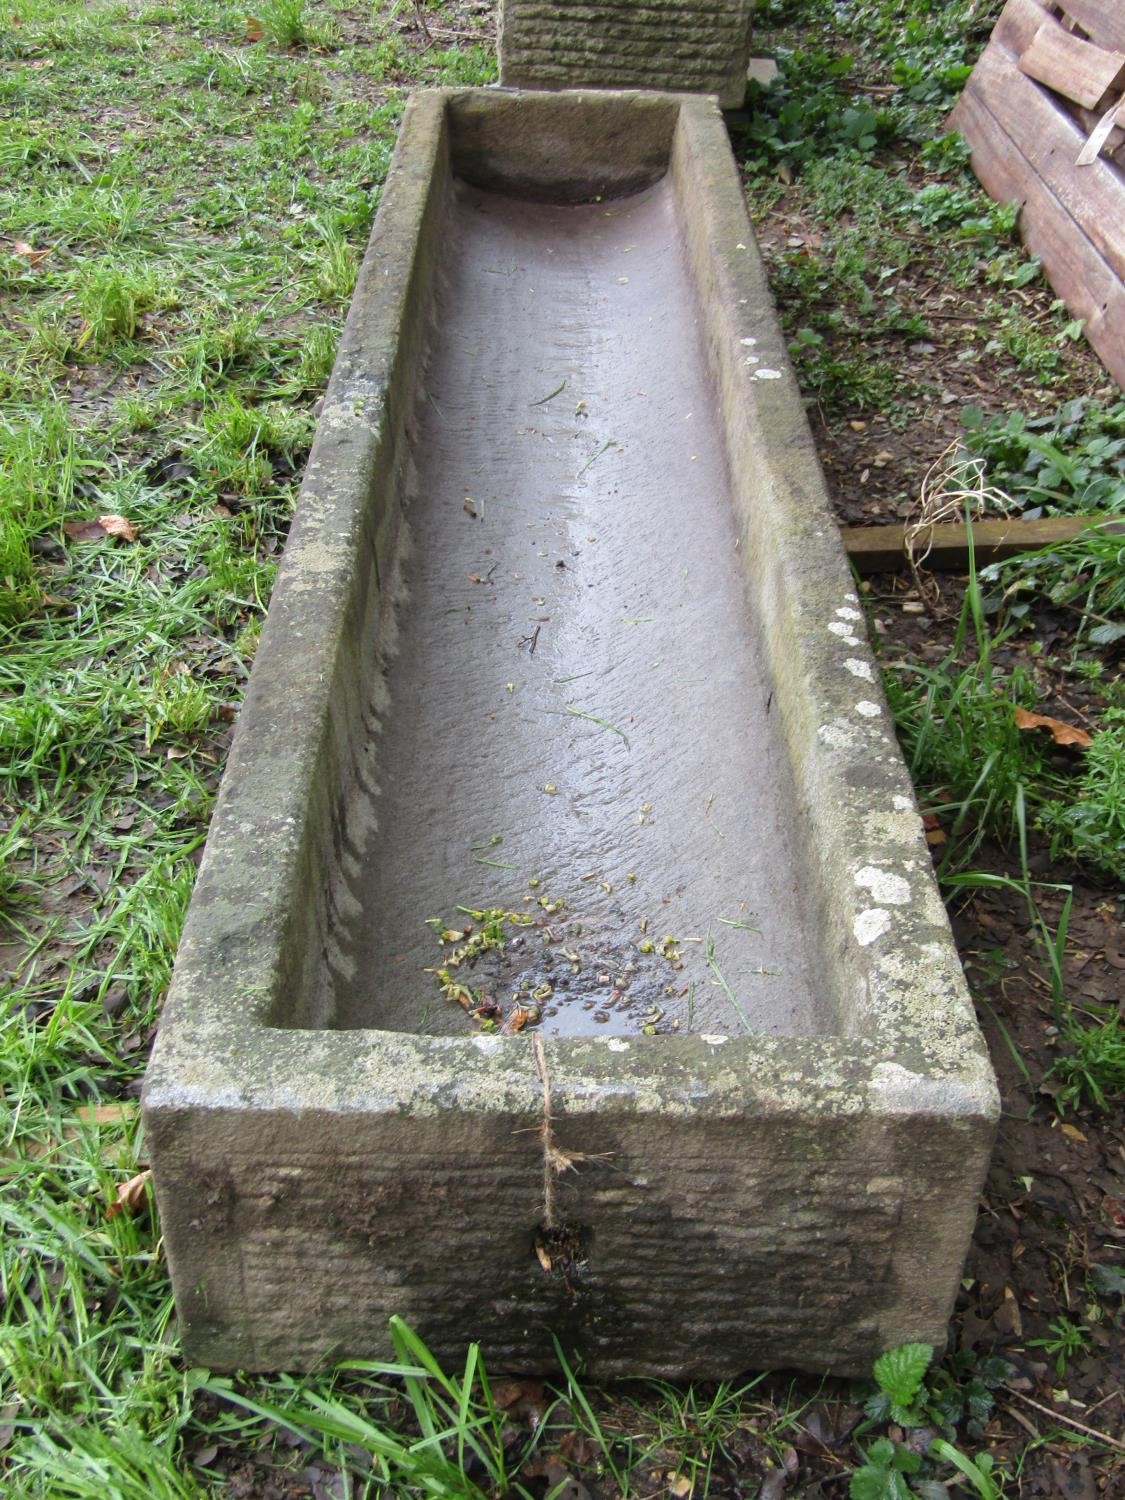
(882, 549)
(1083, 279)
(1094, 196)
(1019, 22)
(1102, 20)
(1076, 69)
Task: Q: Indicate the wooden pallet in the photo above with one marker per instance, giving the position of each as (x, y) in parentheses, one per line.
(1049, 76)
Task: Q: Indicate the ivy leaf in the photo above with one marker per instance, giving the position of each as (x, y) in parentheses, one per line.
(899, 1372)
(1108, 1281)
(878, 1482)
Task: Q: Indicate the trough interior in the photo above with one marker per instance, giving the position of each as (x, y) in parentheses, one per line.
(574, 721)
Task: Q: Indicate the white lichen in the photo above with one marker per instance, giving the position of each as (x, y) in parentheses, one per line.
(884, 885)
(859, 668)
(870, 925)
(844, 631)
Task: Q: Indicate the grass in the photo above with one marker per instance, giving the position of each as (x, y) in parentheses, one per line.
(185, 207)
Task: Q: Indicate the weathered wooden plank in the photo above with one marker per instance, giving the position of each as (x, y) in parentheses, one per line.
(1075, 69)
(1088, 118)
(1083, 279)
(1050, 139)
(882, 549)
(1102, 20)
(1018, 23)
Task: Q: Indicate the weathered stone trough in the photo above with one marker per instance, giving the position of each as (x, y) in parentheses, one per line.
(564, 650)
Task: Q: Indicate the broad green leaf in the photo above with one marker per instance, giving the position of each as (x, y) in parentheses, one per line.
(899, 1372)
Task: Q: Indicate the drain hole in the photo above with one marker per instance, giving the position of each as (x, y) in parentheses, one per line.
(562, 1250)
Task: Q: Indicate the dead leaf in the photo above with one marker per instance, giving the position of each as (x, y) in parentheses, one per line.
(678, 1484)
(519, 1018)
(1006, 1318)
(106, 1114)
(1072, 1132)
(118, 526)
(255, 31)
(935, 833)
(84, 531)
(28, 252)
(1062, 734)
(523, 1400)
(543, 1255)
(132, 1196)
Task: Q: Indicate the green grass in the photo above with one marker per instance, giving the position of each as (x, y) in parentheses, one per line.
(194, 207)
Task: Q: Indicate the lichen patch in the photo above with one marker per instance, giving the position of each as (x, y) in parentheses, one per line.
(884, 885)
(870, 925)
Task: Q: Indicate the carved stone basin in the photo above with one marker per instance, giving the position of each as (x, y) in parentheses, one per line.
(566, 956)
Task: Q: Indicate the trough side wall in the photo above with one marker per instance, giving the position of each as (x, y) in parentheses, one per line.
(358, 480)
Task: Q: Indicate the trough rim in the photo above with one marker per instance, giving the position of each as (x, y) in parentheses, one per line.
(920, 1053)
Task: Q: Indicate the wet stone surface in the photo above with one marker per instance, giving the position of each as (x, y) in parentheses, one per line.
(562, 977)
(575, 682)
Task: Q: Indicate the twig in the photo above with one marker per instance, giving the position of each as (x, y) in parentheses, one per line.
(1025, 1422)
(468, 36)
(420, 18)
(1101, 1437)
(546, 1133)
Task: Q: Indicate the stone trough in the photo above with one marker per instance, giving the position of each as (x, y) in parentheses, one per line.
(566, 956)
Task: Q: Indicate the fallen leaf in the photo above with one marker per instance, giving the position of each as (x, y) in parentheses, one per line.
(1006, 1318)
(523, 1400)
(518, 1019)
(255, 31)
(106, 1114)
(131, 1196)
(1062, 734)
(118, 526)
(28, 252)
(84, 531)
(1072, 1132)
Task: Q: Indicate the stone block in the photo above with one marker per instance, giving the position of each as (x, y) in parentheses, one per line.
(656, 44)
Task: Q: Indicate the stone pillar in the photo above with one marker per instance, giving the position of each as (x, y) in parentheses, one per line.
(693, 46)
